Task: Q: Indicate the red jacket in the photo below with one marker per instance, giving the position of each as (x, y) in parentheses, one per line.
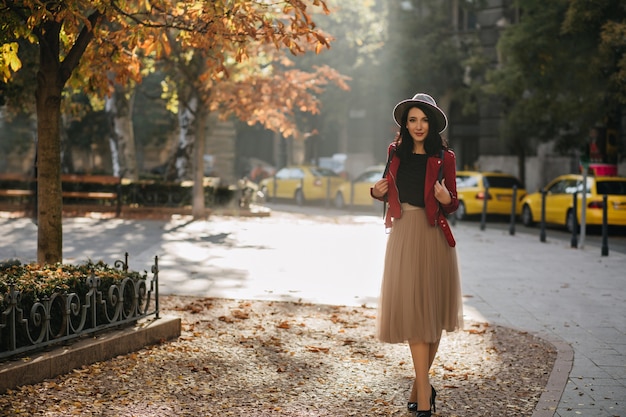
(433, 207)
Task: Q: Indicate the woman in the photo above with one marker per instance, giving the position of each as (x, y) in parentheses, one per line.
(420, 292)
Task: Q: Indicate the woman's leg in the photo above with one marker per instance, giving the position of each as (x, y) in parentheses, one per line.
(433, 348)
(423, 357)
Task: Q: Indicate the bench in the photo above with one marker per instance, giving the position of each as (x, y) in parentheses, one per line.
(74, 187)
(81, 187)
(17, 186)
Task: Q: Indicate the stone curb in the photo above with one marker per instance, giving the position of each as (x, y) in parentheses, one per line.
(141, 213)
(100, 347)
(551, 396)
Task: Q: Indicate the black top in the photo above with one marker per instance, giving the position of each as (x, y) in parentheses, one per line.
(411, 178)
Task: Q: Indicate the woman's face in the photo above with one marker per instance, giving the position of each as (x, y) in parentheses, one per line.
(417, 125)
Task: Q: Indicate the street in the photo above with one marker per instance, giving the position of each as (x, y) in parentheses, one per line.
(322, 256)
(593, 238)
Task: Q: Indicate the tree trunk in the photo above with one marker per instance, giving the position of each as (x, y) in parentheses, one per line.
(67, 162)
(122, 139)
(198, 206)
(187, 112)
(51, 79)
(115, 155)
(48, 103)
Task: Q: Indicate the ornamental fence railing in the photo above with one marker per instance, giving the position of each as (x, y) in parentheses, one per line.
(62, 316)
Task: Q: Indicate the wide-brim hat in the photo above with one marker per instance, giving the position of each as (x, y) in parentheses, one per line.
(423, 101)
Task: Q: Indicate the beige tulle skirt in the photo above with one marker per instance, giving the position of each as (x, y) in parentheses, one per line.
(421, 289)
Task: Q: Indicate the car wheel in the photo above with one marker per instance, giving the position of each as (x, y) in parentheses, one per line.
(461, 212)
(299, 197)
(571, 223)
(340, 203)
(527, 216)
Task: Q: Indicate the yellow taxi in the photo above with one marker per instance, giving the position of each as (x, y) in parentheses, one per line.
(301, 183)
(559, 208)
(473, 187)
(357, 192)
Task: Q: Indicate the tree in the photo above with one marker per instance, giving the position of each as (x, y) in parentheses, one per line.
(358, 39)
(562, 71)
(260, 89)
(429, 54)
(119, 108)
(603, 28)
(110, 34)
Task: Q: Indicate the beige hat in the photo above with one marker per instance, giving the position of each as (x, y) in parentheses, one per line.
(424, 101)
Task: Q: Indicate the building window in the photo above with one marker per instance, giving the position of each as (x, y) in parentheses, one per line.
(464, 15)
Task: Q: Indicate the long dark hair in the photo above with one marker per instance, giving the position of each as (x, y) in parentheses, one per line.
(433, 142)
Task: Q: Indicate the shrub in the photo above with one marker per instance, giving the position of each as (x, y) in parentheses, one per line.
(55, 283)
(40, 281)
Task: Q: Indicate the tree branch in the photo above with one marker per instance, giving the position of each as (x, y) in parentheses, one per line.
(73, 57)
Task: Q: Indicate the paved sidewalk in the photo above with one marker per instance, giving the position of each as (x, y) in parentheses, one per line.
(573, 297)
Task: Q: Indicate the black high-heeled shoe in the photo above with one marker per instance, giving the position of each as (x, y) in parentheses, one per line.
(433, 395)
(412, 406)
(425, 413)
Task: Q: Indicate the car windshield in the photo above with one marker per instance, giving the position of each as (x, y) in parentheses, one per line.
(369, 176)
(611, 187)
(463, 181)
(323, 172)
(496, 181)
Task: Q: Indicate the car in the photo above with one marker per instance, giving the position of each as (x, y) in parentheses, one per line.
(559, 202)
(471, 187)
(357, 192)
(301, 183)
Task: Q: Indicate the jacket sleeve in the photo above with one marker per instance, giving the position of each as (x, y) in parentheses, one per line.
(390, 152)
(449, 173)
(374, 197)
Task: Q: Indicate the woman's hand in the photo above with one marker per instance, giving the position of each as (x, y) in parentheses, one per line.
(441, 192)
(380, 188)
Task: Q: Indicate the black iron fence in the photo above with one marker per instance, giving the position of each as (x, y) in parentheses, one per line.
(29, 324)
